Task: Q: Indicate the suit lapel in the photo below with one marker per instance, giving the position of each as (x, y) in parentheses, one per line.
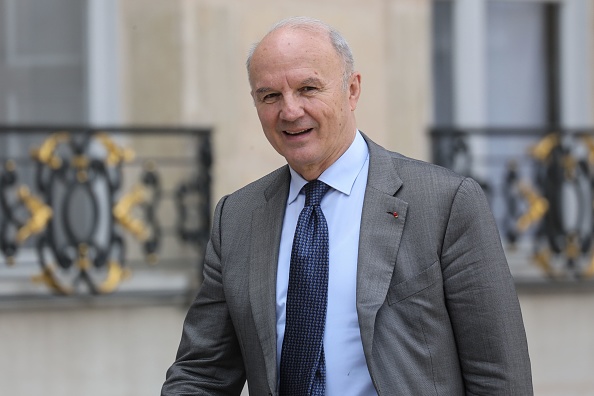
(381, 231)
(267, 223)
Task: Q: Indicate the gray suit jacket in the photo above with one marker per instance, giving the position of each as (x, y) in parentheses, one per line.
(437, 307)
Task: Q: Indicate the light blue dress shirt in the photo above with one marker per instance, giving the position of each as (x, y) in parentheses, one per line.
(346, 370)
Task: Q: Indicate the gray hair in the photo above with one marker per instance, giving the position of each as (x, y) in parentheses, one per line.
(339, 43)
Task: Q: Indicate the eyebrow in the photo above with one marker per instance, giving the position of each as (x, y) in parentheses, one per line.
(311, 81)
(263, 90)
(307, 81)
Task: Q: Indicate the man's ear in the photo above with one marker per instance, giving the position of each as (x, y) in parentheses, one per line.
(354, 89)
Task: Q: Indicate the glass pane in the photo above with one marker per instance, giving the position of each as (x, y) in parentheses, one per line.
(517, 70)
(42, 62)
(48, 29)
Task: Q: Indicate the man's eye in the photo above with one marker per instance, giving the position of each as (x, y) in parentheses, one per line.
(269, 98)
(308, 89)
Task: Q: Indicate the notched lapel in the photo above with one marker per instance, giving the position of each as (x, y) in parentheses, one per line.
(382, 224)
(267, 221)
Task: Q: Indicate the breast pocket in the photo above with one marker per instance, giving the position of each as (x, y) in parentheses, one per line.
(414, 285)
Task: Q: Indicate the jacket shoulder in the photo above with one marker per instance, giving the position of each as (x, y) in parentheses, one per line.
(411, 168)
(258, 191)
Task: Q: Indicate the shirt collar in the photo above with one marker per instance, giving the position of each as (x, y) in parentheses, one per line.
(341, 175)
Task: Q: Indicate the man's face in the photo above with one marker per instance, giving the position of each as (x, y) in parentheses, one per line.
(296, 78)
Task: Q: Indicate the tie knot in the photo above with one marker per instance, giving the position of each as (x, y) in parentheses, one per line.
(314, 192)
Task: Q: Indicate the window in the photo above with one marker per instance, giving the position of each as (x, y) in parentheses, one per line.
(59, 67)
(501, 63)
(509, 77)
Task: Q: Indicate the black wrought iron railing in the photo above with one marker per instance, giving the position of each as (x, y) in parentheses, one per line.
(87, 210)
(540, 184)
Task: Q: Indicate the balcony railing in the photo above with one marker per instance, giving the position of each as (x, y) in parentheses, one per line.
(540, 184)
(86, 211)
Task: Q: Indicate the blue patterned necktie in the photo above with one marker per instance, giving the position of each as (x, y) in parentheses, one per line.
(303, 368)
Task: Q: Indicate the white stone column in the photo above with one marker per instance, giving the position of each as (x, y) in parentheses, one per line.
(576, 63)
(470, 73)
(103, 67)
(470, 21)
(470, 103)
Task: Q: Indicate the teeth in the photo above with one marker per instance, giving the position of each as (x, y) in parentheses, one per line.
(297, 132)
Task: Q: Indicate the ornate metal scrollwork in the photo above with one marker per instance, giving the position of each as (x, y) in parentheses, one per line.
(560, 208)
(192, 201)
(17, 227)
(76, 219)
(518, 191)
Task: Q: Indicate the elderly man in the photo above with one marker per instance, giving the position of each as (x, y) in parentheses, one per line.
(353, 270)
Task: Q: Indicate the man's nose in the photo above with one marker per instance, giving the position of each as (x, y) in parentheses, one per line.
(291, 109)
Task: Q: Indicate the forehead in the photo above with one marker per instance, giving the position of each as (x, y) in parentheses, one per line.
(294, 51)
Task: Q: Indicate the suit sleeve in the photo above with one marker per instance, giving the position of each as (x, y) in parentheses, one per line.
(209, 360)
(482, 301)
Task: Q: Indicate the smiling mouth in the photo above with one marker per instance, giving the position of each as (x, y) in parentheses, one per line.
(296, 133)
